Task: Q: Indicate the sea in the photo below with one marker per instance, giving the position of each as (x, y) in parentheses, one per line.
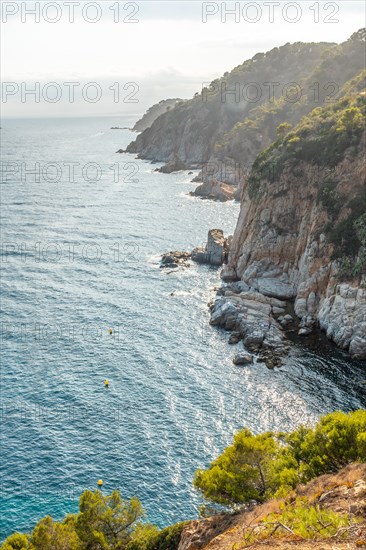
(84, 300)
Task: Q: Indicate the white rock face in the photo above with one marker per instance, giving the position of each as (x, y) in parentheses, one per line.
(275, 287)
(228, 274)
(342, 316)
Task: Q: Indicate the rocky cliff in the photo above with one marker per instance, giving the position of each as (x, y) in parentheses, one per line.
(301, 232)
(294, 154)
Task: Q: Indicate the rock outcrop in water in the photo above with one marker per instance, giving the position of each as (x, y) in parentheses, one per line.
(174, 165)
(214, 253)
(216, 250)
(252, 318)
(216, 190)
(175, 259)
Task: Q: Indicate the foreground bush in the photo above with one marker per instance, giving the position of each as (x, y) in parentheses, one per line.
(103, 523)
(262, 466)
(253, 467)
(166, 539)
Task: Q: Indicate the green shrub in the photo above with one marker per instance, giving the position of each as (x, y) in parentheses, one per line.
(16, 542)
(104, 522)
(150, 538)
(298, 521)
(283, 129)
(320, 138)
(50, 535)
(335, 441)
(329, 198)
(107, 521)
(270, 464)
(241, 473)
(349, 238)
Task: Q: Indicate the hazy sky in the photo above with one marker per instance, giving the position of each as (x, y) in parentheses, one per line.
(169, 51)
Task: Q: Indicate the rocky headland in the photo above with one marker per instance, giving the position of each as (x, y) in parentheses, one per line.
(298, 253)
(297, 167)
(301, 234)
(300, 240)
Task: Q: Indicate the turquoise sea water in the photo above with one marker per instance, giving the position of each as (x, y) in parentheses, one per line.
(80, 257)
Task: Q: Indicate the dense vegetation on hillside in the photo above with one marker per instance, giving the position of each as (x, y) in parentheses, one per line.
(254, 467)
(321, 138)
(236, 116)
(202, 120)
(330, 79)
(270, 464)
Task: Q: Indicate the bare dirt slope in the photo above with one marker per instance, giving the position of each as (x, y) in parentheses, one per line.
(344, 492)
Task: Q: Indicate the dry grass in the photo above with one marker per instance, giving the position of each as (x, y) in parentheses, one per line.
(334, 492)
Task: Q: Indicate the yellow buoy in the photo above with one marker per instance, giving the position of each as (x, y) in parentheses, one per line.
(100, 482)
(110, 331)
(106, 383)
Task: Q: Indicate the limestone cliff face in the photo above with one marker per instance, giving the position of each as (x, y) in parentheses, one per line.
(298, 232)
